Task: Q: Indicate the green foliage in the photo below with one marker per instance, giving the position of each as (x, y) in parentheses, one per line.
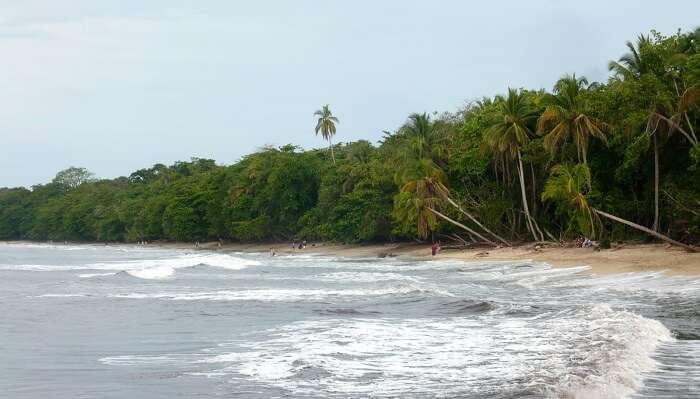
(486, 157)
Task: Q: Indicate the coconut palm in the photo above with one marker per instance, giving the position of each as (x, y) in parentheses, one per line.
(635, 63)
(425, 139)
(509, 132)
(569, 185)
(663, 121)
(326, 125)
(565, 117)
(425, 154)
(422, 190)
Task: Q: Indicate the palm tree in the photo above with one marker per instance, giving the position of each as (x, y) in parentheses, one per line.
(508, 133)
(635, 63)
(326, 125)
(565, 117)
(425, 154)
(425, 139)
(422, 190)
(664, 120)
(569, 184)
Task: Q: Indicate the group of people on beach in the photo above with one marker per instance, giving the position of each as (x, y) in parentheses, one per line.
(301, 245)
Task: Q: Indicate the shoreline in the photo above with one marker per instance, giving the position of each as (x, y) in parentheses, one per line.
(625, 258)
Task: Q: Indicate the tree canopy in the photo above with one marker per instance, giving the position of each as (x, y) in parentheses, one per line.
(526, 165)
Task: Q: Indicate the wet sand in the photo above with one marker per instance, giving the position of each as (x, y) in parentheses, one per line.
(622, 258)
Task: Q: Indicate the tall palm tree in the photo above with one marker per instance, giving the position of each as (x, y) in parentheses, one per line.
(570, 185)
(326, 125)
(663, 121)
(565, 116)
(507, 134)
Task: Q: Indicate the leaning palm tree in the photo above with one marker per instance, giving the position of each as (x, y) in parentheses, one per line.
(510, 131)
(422, 190)
(569, 184)
(565, 117)
(326, 125)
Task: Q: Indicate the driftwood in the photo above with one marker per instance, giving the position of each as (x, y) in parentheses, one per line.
(458, 224)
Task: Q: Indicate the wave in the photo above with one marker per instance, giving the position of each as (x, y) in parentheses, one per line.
(91, 275)
(596, 352)
(467, 306)
(147, 268)
(617, 352)
(152, 273)
(286, 295)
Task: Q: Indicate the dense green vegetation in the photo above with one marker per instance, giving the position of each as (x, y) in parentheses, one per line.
(528, 165)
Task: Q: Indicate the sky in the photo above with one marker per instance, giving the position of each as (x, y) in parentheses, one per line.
(115, 86)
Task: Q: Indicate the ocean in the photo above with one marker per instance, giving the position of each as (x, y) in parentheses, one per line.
(124, 321)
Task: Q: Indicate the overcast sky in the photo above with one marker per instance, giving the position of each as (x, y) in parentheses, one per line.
(115, 86)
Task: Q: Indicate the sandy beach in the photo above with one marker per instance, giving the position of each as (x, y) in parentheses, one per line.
(621, 258)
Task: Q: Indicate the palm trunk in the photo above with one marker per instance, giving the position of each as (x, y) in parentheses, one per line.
(526, 208)
(655, 226)
(458, 224)
(473, 219)
(646, 230)
(534, 190)
(330, 146)
(690, 138)
(690, 126)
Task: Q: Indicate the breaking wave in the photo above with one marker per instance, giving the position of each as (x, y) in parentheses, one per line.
(148, 268)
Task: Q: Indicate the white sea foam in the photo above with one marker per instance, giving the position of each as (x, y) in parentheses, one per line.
(61, 296)
(361, 277)
(286, 295)
(153, 273)
(596, 353)
(91, 275)
(149, 268)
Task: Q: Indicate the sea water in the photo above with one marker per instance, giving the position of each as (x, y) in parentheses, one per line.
(94, 321)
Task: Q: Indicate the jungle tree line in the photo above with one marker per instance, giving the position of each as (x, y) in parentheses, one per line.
(525, 165)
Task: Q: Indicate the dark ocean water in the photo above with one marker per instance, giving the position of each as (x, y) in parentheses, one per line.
(133, 322)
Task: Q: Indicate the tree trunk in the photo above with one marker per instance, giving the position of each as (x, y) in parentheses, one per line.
(690, 126)
(692, 140)
(458, 224)
(526, 208)
(655, 226)
(644, 229)
(473, 219)
(330, 145)
(534, 190)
